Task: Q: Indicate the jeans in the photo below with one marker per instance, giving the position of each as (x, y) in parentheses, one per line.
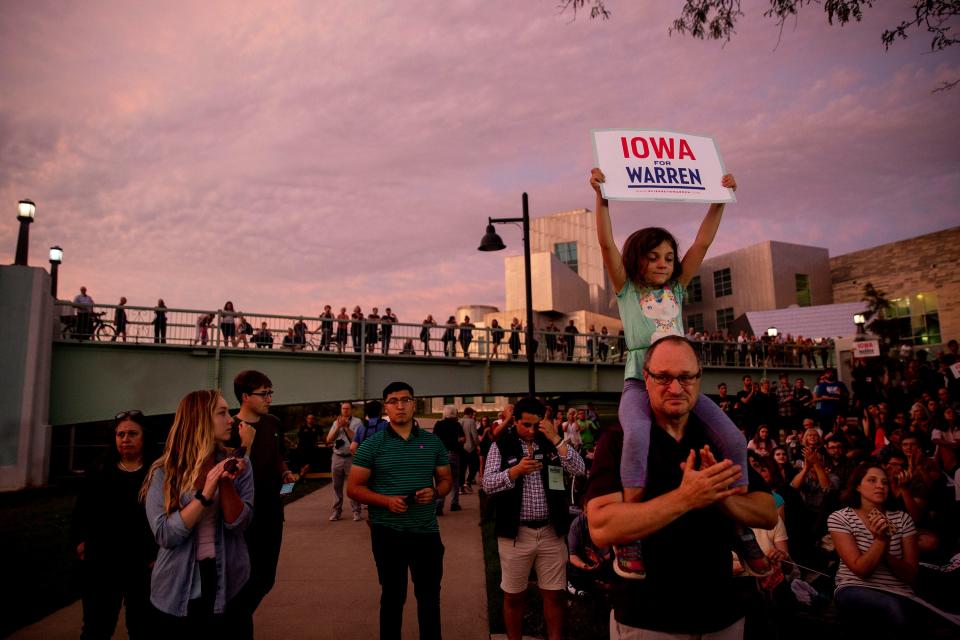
(340, 468)
(884, 614)
(422, 553)
(104, 590)
(455, 474)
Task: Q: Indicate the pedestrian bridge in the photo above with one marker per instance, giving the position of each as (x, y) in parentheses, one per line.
(91, 380)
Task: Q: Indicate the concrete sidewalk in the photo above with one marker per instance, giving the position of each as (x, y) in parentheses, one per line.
(327, 581)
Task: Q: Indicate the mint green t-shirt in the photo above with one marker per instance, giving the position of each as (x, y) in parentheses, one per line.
(648, 314)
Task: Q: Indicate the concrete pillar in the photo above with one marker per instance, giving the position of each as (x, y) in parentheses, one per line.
(25, 353)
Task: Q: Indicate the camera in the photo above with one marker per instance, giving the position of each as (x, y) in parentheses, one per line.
(411, 498)
(231, 464)
(339, 443)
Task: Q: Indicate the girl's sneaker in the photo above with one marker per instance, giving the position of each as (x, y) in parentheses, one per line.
(752, 558)
(628, 561)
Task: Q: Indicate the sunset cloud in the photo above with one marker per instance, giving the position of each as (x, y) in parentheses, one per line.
(295, 154)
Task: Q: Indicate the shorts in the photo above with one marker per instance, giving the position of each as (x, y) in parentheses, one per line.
(541, 548)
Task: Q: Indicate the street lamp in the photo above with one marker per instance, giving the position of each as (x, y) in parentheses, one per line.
(26, 210)
(492, 242)
(772, 332)
(56, 257)
(859, 320)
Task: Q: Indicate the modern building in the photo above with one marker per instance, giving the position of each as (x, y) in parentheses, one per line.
(568, 277)
(920, 276)
(767, 275)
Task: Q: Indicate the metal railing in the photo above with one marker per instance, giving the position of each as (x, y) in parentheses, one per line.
(197, 328)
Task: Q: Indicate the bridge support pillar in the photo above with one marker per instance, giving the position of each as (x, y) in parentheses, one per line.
(26, 341)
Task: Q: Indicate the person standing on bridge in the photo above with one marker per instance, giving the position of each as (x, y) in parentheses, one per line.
(262, 434)
(84, 306)
(401, 472)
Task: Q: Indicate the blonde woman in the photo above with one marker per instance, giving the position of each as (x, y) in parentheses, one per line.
(198, 500)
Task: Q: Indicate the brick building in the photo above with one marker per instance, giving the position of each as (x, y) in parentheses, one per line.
(921, 275)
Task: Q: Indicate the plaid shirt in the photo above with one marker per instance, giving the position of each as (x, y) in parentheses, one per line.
(534, 503)
(784, 400)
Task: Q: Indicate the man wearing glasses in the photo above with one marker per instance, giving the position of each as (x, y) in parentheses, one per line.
(400, 472)
(262, 435)
(687, 518)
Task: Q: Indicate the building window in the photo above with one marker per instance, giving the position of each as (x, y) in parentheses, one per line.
(803, 290)
(695, 322)
(489, 399)
(695, 290)
(722, 283)
(449, 400)
(724, 318)
(567, 253)
(916, 319)
(467, 399)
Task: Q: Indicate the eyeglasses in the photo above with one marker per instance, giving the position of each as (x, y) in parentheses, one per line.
(262, 394)
(393, 402)
(123, 415)
(666, 379)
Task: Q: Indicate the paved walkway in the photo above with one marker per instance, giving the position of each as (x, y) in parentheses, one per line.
(327, 581)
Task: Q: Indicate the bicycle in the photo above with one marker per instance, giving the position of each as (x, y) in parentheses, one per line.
(100, 330)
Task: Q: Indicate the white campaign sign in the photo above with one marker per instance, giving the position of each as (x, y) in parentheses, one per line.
(659, 165)
(866, 349)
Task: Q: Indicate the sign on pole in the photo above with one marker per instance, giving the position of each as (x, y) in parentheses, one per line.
(866, 349)
(659, 165)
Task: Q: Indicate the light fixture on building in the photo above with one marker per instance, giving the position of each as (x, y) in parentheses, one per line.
(26, 210)
(859, 319)
(493, 242)
(772, 332)
(56, 257)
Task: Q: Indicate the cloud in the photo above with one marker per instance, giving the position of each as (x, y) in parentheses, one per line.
(295, 154)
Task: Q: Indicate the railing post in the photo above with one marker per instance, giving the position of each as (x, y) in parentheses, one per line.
(216, 356)
(362, 373)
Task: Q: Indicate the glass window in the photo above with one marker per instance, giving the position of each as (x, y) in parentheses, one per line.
(567, 253)
(724, 318)
(722, 283)
(695, 290)
(916, 319)
(489, 399)
(449, 400)
(468, 399)
(803, 290)
(695, 322)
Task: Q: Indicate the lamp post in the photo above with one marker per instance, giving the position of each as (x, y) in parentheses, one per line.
(492, 242)
(26, 209)
(859, 320)
(56, 257)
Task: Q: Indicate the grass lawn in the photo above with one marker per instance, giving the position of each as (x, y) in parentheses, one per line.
(586, 619)
(40, 570)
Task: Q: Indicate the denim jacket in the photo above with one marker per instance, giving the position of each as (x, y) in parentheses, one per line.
(175, 572)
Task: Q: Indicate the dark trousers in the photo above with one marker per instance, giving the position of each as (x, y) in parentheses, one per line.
(105, 589)
(396, 552)
(200, 621)
(263, 544)
(469, 462)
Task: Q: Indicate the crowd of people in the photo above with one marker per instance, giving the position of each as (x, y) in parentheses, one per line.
(696, 506)
(376, 333)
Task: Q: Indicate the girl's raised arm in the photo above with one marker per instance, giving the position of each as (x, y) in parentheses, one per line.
(612, 260)
(694, 256)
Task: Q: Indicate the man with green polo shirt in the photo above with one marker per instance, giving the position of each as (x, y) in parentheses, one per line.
(400, 472)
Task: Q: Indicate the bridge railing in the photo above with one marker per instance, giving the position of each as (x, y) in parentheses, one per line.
(226, 329)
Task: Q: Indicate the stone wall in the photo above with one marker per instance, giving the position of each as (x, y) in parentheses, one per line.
(929, 263)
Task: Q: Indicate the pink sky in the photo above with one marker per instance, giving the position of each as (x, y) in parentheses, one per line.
(288, 155)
